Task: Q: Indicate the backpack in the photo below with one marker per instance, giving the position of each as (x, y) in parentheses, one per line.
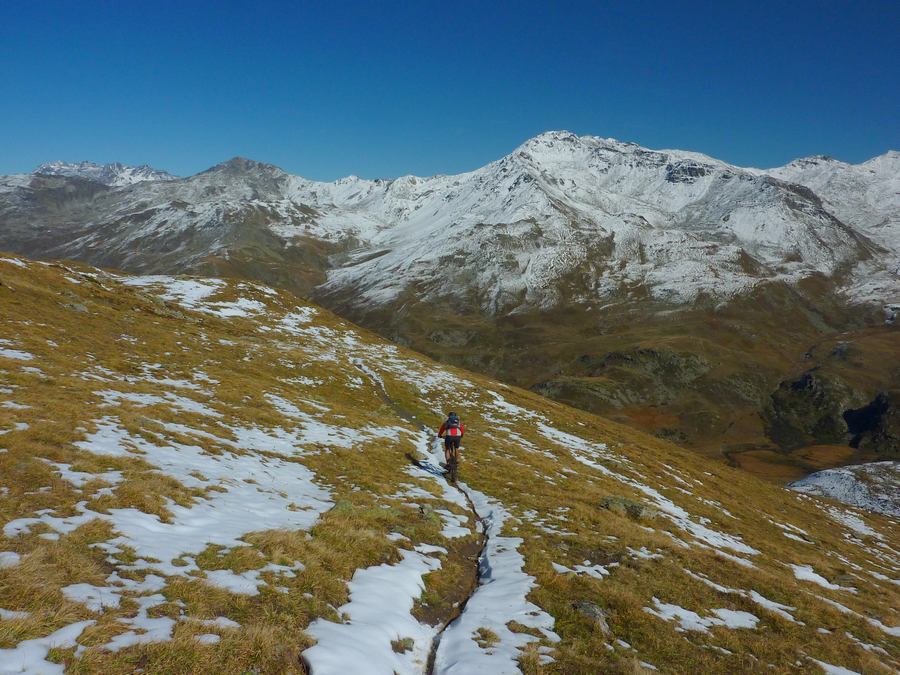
(453, 422)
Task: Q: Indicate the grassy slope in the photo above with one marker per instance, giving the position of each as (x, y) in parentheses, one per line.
(700, 376)
(76, 325)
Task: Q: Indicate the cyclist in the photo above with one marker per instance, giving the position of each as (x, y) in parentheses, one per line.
(451, 431)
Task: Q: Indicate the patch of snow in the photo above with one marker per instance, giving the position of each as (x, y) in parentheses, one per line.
(30, 656)
(151, 629)
(852, 521)
(501, 597)
(181, 403)
(643, 553)
(80, 478)
(9, 559)
(378, 612)
(455, 525)
(219, 622)
(15, 354)
(692, 621)
(242, 307)
(292, 321)
(95, 598)
(829, 669)
(245, 583)
(807, 573)
(874, 486)
(10, 615)
(187, 292)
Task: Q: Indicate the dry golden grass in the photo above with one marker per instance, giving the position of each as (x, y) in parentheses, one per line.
(125, 329)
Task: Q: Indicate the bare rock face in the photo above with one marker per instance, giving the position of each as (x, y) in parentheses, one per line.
(876, 425)
(817, 408)
(808, 410)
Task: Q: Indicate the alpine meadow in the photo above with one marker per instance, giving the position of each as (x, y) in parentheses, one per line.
(535, 393)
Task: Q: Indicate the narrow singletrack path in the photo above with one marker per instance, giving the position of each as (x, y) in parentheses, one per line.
(426, 463)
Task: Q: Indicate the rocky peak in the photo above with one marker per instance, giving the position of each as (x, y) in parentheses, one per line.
(238, 165)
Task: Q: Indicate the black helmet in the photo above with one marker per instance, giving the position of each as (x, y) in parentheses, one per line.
(452, 414)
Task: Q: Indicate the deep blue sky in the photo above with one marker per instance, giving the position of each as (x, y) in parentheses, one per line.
(327, 89)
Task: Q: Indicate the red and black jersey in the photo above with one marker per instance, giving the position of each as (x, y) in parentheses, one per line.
(454, 431)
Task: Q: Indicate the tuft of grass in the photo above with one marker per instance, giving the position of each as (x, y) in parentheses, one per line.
(402, 645)
(486, 638)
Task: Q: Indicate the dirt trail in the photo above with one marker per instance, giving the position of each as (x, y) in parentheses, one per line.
(473, 579)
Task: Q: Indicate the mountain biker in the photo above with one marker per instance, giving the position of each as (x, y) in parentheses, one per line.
(451, 431)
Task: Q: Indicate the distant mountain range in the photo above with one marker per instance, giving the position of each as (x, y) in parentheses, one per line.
(629, 281)
(676, 224)
(115, 174)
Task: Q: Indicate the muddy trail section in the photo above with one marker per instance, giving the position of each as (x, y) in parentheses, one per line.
(444, 615)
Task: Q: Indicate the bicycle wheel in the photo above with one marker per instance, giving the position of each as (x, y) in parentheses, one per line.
(453, 466)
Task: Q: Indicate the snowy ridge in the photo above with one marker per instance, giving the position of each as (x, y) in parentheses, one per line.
(864, 195)
(679, 222)
(114, 174)
(515, 232)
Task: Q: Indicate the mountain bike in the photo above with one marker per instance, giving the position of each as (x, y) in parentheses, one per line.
(453, 465)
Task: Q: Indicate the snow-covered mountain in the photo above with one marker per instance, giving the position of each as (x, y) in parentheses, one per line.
(866, 196)
(676, 223)
(114, 174)
(679, 225)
